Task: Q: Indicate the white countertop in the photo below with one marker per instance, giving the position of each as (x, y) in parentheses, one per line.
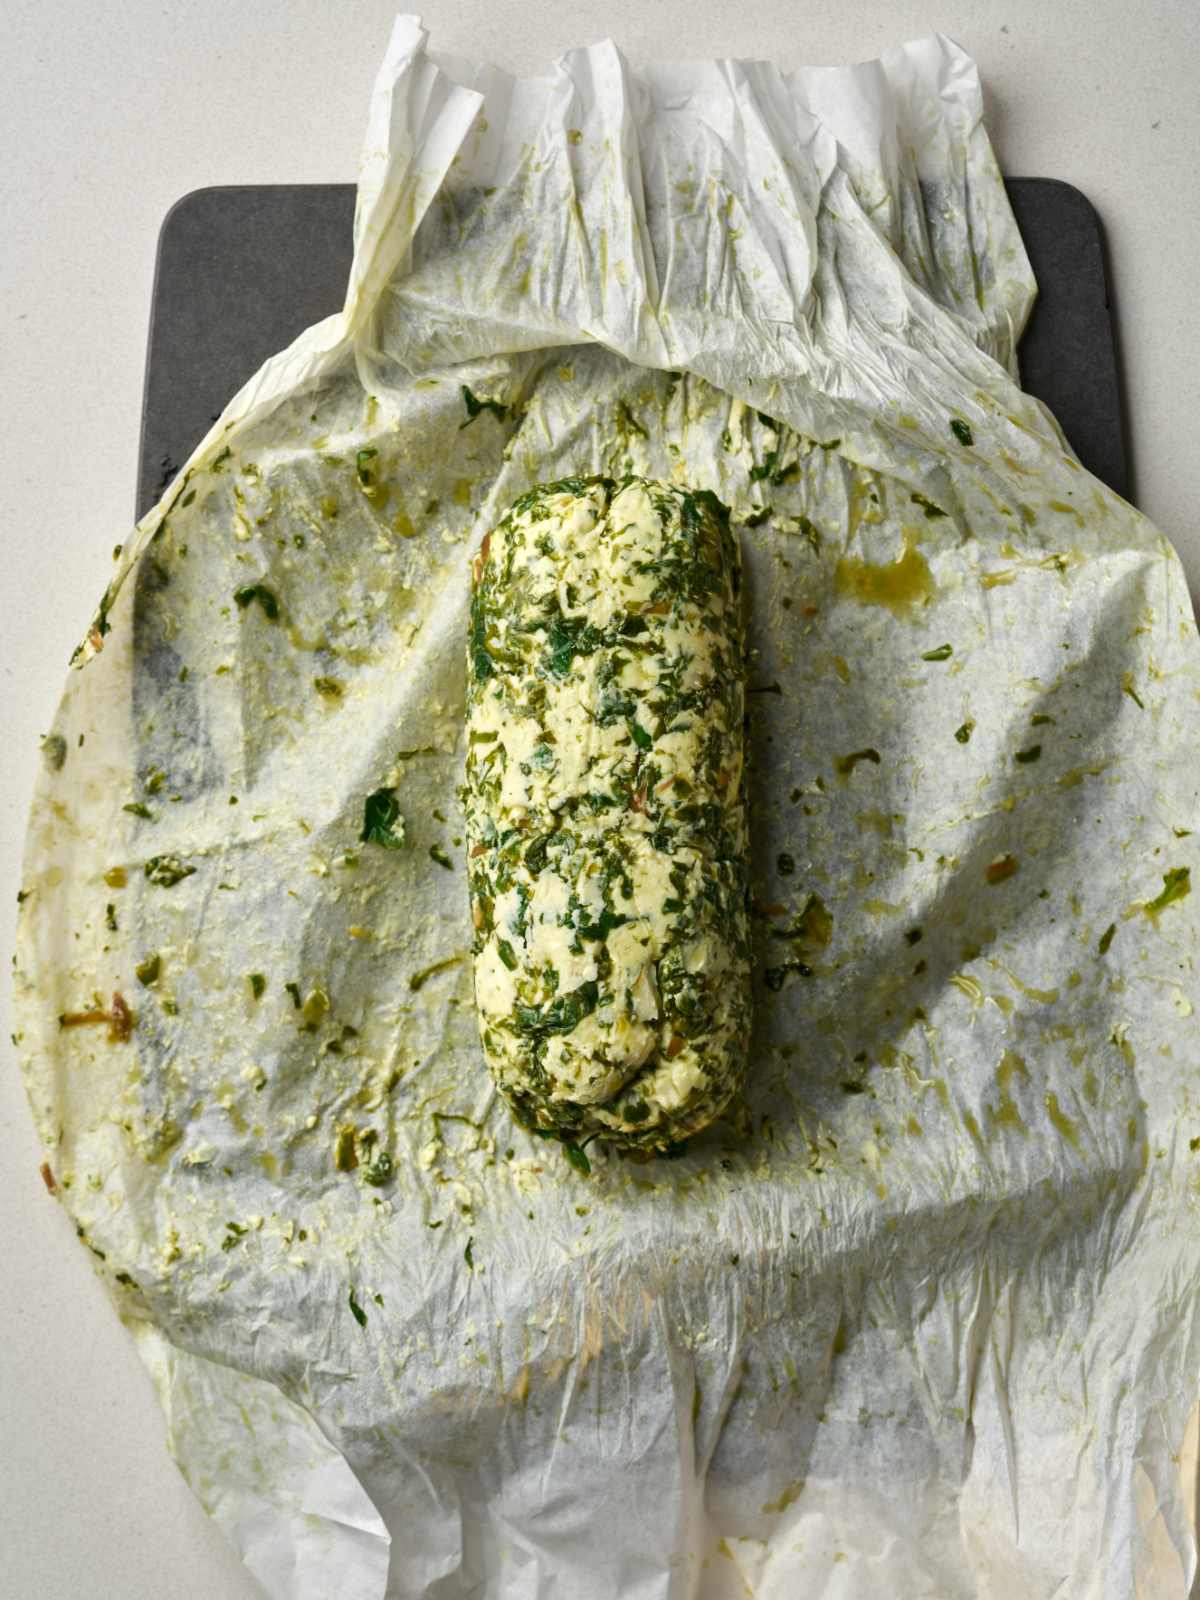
(109, 115)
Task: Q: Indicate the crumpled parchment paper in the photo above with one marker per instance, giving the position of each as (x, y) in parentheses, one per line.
(919, 1319)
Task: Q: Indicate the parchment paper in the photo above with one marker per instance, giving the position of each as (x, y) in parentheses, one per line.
(919, 1319)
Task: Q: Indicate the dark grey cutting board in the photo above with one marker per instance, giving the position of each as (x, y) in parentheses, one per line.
(241, 271)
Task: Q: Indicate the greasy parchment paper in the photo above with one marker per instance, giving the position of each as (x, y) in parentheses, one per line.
(919, 1319)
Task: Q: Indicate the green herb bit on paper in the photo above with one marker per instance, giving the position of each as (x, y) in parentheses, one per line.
(382, 822)
(474, 406)
(249, 592)
(963, 733)
(577, 1156)
(961, 431)
(356, 1311)
(932, 511)
(1177, 885)
(380, 1170)
(166, 871)
(1106, 938)
(942, 653)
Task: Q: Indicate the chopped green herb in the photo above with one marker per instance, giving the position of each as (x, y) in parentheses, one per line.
(359, 1315)
(148, 971)
(294, 990)
(219, 461)
(1128, 688)
(1025, 757)
(577, 1156)
(436, 853)
(914, 935)
(110, 914)
(1040, 719)
(469, 1253)
(785, 864)
(1177, 884)
(506, 953)
(249, 592)
(640, 737)
(474, 406)
(942, 653)
(568, 637)
(365, 463)
(258, 985)
(562, 1014)
(380, 1170)
(381, 814)
(1106, 938)
(961, 431)
(963, 734)
(608, 920)
(137, 809)
(932, 512)
(166, 871)
(332, 688)
(233, 1235)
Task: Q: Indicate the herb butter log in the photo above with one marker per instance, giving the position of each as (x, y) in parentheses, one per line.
(606, 811)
